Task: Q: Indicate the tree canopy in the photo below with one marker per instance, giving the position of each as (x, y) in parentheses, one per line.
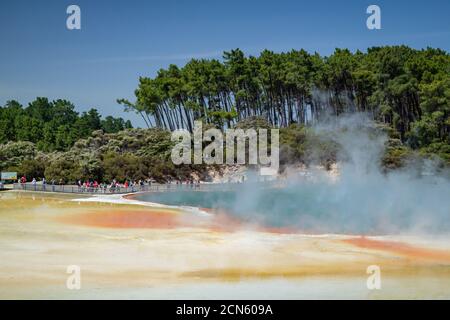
(404, 88)
(52, 125)
(405, 91)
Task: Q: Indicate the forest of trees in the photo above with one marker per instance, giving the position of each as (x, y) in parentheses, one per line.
(405, 91)
(404, 88)
(52, 125)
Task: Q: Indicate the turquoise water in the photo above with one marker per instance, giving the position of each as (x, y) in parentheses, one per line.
(271, 207)
(348, 207)
(193, 198)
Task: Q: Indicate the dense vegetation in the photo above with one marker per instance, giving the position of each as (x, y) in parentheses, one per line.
(406, 89)
(145, 153)
(52, 125)
(128, 154)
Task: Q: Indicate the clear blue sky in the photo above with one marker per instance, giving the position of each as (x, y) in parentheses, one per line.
(122, 40)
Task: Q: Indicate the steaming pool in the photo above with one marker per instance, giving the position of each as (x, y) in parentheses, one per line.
(131, 248)
(318, 207)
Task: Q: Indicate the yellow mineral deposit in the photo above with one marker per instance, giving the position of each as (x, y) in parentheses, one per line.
(126, 250)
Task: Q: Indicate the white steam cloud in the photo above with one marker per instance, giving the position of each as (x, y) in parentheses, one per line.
(363, 199)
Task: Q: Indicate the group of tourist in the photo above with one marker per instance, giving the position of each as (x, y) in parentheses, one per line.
(23, 181)
(93, 186)
(87, 186)
(114, 186)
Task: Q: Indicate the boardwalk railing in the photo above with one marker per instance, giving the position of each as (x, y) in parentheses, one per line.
(77, 189)
(120, 189)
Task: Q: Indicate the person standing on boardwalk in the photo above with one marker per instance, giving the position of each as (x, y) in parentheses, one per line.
(23, 180)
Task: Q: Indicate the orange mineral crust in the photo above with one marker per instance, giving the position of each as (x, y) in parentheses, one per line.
(164, 218)
(400, 248)
(125, 218)
(149, 218)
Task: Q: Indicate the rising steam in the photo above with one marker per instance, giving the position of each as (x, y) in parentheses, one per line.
(362, 200)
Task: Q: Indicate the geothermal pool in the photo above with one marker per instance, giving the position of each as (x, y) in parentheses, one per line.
(348, 207)
(134, 249)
